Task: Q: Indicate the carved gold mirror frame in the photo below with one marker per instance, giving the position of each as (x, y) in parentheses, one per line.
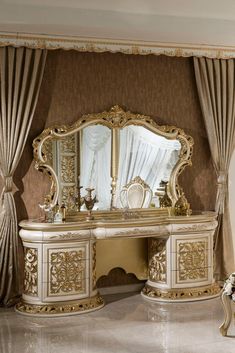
(114, 119)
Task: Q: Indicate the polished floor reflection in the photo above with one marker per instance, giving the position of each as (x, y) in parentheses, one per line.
(128, 323)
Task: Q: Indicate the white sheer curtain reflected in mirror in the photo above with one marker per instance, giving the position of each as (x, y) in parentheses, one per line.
(147, 155)
(96, 163)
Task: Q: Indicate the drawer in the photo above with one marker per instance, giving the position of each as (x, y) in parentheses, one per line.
(65, 252)
(191, 254)
(191, 277)
(191, 242)
(81, 291)
(66, 279)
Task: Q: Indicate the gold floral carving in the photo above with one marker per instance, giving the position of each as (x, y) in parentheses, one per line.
(182, 293)
(67, 272)
(198, 227)
(30, 271)
(69, 235)
(68, 144)
(67, 160)
(67, 193)
(192, 260)
(136, 231)
(115, 118)
(68, 169)
(157, 262)
(79, 306)
(94, 265)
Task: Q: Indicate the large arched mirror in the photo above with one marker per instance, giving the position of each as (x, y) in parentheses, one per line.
(108, 152)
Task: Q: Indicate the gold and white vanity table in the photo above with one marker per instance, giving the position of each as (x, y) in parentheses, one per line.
(60, 260)
(133, 164)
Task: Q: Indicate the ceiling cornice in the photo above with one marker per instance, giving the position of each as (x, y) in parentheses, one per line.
(82, 44)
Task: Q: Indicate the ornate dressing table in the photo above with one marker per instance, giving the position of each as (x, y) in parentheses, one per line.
(60, 256)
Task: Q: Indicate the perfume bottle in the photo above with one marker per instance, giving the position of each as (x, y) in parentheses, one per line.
(58, 217)
(63, 211)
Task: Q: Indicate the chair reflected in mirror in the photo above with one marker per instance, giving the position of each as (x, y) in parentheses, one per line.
(136, 194)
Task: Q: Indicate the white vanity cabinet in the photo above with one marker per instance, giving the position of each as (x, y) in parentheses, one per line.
(59, 272)
(181, 265)
(60, 261)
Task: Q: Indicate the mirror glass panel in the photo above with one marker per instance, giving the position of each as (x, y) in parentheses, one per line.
(146, 155)
(82, 159)
(95, 164)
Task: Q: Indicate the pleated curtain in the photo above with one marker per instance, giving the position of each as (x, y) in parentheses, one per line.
(21, 71)
(215, 79)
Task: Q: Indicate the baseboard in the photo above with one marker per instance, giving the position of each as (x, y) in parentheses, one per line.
(127, 288)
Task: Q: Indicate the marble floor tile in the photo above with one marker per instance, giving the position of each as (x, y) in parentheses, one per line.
(127, 324)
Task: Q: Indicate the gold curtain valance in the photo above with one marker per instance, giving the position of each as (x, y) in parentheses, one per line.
(50, 42)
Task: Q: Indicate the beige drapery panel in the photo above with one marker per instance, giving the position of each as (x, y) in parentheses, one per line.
(21, 71)
(215, 80)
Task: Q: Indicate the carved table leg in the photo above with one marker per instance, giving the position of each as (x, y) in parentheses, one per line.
(226, 301)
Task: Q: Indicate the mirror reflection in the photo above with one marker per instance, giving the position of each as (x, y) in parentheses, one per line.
(95, 155)
(147, 155)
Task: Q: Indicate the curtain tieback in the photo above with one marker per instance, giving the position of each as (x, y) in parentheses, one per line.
(8, 183)
(222, 189)
(222, 179)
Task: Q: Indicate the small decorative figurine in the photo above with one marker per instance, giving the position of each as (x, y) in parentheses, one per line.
(89, 202)
(182, 207)
(46, 207)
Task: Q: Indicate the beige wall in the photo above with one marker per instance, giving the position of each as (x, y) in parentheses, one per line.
(78, 83)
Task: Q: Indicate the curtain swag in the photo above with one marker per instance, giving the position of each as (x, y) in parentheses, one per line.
(21, 71)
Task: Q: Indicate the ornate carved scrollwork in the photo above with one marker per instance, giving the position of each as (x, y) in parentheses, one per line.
(54, 309)
(67, 272)
(182, 293)
(31, 271)
(157, 262)
(94, 265)
(193, 260)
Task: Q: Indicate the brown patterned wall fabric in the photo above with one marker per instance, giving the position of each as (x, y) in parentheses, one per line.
(79, 83)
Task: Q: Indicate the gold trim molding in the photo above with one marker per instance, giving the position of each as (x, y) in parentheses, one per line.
(82, 44)
(195, 293)
(61, 308)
